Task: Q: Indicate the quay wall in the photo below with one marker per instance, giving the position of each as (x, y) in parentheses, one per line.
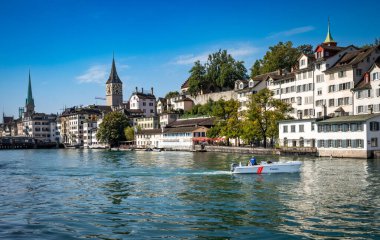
(204, 98)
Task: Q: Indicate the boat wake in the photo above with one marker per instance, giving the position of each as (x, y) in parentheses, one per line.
(210, 173)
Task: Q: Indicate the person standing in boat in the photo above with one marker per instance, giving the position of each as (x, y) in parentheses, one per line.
(252, 161)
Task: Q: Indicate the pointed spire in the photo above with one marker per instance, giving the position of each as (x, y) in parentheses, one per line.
(29, 103)
(329, 38)
(113, 78)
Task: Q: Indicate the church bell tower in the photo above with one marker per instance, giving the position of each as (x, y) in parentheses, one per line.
(114, 88)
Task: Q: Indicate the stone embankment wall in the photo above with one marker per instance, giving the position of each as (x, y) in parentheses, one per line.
(240, 150)
(204, 98)
(347, 153)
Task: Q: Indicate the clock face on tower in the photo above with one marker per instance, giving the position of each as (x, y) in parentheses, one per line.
(108, 89)
(116, 89)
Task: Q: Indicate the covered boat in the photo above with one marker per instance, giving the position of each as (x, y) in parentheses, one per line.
(267, 167)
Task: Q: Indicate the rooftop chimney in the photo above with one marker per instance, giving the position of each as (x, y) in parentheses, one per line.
(151, 90)
(136, 89)
(142, 90)
(366, 77)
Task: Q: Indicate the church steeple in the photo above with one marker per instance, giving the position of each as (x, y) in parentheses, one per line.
(329, 39)
(114, 88)
(113, 78)
(29, 103)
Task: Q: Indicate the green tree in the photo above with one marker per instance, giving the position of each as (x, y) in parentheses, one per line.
(172, 94)
(280, 56)
(111, 130)
(305, 49)
(256, 68)
(222, 70)
(129, 133)
(197, 79)
(264, 111)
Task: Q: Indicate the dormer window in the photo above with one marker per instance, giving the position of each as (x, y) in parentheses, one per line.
(327, 54)
(302, 62)
(250, 83)
(375, 76)
(241, 85)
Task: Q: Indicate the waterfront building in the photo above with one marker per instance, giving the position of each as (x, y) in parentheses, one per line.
(148, 122)
(148, 138)
(297, 132)
(90, 128)
(367, 91)
(114, 88)
(245, 88)
(181, 134)
(72, 119)
(355, 136)
(146, 102)
(167, 118)
(344, 75)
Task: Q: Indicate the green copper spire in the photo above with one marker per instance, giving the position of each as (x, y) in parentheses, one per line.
(29, 104)
(329, 38)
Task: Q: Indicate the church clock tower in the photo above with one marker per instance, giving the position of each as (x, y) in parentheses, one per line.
(114, 88)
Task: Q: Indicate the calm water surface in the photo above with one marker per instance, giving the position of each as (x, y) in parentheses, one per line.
(76, 194)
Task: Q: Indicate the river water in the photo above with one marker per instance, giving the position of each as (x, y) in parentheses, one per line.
(95, 194)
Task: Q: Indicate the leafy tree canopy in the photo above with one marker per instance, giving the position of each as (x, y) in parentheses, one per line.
(111, 130)
(219, 72)
(279, 56)
(264, 112)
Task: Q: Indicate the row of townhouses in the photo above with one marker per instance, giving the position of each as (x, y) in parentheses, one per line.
(335, 83)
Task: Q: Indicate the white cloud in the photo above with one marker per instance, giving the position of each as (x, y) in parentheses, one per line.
(291, 32)
(95, 74)
(242, 50)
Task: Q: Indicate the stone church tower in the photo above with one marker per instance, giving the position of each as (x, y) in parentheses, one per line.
(114, 88)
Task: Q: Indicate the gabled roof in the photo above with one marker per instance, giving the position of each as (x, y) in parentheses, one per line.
(350, 118)
(113, 78)
(192, 122)
(144, 95)
(352, 58)
(162, 100)
(185, 84)
(375, 64)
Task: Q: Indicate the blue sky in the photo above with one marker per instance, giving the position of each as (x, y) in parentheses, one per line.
(68, 45)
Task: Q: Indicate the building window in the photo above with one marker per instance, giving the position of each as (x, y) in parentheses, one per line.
(341, 74)
(285, 129)
(375, 76)
(302, 62)
(331, 102)
(373, 142)
(301, 128)
(299, 100)
(374, 126)
(320, 78)
(332, 76)
(358, 72)
(293, 128)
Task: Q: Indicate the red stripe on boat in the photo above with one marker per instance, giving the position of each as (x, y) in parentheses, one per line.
(260, 169)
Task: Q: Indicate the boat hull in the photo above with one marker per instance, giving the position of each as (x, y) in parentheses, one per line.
(285, 167)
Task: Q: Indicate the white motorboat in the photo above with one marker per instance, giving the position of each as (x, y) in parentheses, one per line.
(267, 167)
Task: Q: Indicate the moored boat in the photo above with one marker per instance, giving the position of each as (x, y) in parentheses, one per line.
(268, 167)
